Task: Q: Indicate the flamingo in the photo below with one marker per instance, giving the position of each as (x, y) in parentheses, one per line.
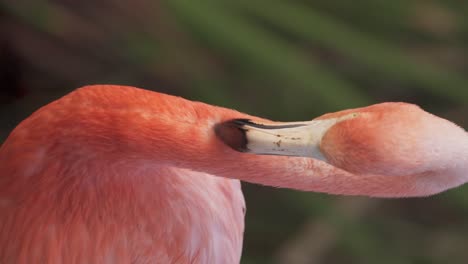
(115, 174)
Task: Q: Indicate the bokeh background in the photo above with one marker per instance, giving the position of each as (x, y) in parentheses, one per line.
(283, 60)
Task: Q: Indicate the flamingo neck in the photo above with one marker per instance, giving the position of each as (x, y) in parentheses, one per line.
(162, 130)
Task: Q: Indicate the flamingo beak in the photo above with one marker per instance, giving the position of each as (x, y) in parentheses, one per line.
(301, 139)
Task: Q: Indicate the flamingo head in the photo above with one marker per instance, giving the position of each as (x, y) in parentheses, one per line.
(394, 139)
(388, 139)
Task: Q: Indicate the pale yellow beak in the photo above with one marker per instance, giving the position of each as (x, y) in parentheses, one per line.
(285, 139)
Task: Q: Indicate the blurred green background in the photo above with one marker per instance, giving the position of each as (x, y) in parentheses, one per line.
(283, 60)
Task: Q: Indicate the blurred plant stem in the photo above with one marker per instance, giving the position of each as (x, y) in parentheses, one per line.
(262, 52)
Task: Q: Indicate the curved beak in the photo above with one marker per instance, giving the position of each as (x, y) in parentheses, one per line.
(300, 139)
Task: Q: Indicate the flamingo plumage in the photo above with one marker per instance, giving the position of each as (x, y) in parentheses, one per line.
(114, 174)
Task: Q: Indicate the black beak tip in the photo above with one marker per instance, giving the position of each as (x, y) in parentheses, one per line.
(232, 133)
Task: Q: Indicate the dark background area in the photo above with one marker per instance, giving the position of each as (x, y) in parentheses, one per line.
(283, 60)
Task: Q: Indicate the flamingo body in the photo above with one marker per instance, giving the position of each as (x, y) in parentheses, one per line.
(68, 197)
